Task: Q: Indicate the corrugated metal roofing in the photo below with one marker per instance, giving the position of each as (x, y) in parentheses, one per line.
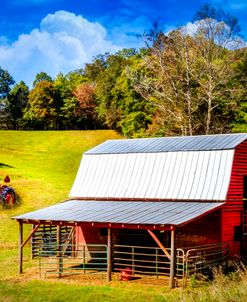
(170, 144)
(194, 175)
(154, 213)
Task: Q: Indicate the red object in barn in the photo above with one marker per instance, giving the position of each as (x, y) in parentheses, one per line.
(126, 274)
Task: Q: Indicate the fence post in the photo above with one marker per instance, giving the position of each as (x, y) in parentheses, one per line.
(109, 254)
(156, 262)
(59, 251)
(133, 259)
(172, 260)
(20, 252)
(84, 257)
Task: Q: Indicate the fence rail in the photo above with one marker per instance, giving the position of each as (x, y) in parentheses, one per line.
(141, 260)
(56, 260)
(67, 259)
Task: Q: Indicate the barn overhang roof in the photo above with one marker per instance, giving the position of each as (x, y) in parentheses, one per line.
(121, 214)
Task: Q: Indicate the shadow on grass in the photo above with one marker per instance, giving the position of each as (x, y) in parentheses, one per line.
(5, 166)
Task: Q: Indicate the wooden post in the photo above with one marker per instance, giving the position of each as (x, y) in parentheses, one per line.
(172, 260)
(109, 254)
(20, 248)
(59, 251)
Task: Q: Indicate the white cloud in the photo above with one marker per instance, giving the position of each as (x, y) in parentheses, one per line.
(63, 42)
(190, 28)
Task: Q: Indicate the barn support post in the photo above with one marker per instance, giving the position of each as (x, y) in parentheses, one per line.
(172, 260)
(20, 248)
(109, 254)
(59, 251)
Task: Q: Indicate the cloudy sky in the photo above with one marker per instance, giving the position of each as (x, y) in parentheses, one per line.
(62, 35)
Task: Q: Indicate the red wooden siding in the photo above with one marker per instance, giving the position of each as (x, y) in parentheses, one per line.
(203, 231)
(232, 211)
(85, 235)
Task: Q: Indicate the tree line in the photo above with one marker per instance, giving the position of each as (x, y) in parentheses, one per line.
(181, 83)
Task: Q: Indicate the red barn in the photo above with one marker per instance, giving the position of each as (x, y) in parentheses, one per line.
(183, 191)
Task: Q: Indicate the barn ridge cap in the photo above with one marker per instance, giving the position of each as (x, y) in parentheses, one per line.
(170, 144)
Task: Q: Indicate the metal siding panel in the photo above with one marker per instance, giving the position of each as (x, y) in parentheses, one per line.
(220, 176)
(125, 189)
(99, 181)
(119, 175)
(208, 176)
(124, 177)
(203, 176)
(88, 186)
(136, 176)
(227, 175)
(194, 193)
(180, 177)
(163, 177)
(79, 178)
(173, 175)
(186, 176)
(150, 181)
(214, 177)
(108, 186)
(159, 172)
(170, 176)
(146, 176)
(191, 176)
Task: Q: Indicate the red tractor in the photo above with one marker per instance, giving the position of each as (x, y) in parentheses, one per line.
(8, 196)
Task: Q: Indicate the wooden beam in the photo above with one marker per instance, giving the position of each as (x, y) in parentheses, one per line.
(20, 248)
(109, 254)
(172, 260)
(30, 235)
(66, 244)
(159, 244)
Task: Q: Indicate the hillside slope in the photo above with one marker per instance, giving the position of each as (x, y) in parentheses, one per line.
(42, 166)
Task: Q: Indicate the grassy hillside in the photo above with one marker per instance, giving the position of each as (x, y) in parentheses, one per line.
(42, 167)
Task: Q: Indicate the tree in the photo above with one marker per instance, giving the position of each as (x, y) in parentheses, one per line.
(16, 104)
(41, 76)
(43, 109)
(216, 35)
(64, 86)
(186, 75)
(6, 81)
(165, 77)
(239, 93)
(85, 109)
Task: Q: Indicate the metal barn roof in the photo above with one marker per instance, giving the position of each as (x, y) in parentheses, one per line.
(187, 175)
(170, 144)
(150, 213)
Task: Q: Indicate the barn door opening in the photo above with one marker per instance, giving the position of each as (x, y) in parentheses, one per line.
(244, 219)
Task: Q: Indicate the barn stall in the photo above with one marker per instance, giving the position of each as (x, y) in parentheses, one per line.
(156, 206)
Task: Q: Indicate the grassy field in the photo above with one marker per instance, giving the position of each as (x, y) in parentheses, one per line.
(42, 167)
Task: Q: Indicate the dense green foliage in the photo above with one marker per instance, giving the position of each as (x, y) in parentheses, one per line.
(180, 83)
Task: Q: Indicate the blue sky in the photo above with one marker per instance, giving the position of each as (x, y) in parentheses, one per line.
(62, 35)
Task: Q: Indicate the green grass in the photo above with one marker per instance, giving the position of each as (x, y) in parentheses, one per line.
(42, 167)
(46, 291)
